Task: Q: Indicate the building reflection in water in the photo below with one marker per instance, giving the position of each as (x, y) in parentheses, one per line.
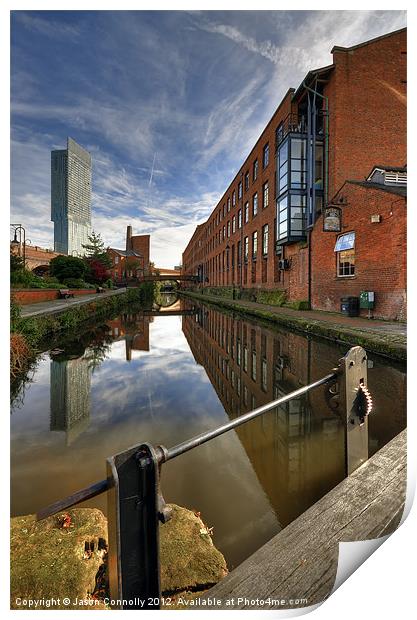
(297, 449)
(133, 329)
(70, 396)
(70, 384)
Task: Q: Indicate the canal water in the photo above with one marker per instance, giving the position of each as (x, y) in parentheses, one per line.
(166, 375)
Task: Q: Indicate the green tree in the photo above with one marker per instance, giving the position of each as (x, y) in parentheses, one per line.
(95, 247)
(64, 267)
(95, 250)
(16, 263)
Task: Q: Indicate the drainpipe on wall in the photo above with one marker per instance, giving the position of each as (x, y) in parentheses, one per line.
(326, 141)
(309, 268)
(326, 172)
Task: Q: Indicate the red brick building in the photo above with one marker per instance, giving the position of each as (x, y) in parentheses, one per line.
(133, 262)
(267, 233)
(373, 222)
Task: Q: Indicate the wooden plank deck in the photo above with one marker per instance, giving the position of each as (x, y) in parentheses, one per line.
(300, 563)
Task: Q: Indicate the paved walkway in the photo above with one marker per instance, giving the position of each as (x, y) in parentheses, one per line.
(60, 305)
(385, 337)
(355, 322)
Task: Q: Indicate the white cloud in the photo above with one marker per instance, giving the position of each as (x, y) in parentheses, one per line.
(229, 122)
(50, 28)
(267, 49)
(123, 124)
(155, 94)
(170, 231)
(316, 34)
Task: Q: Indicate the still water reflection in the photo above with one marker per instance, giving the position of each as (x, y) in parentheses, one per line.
(164, 376)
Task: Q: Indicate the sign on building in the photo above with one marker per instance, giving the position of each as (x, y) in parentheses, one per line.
(332, 220)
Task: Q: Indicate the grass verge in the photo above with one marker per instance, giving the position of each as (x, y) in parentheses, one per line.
(30, 335)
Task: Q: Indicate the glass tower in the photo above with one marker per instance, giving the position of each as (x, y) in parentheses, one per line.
(71, 198)
(70, 397)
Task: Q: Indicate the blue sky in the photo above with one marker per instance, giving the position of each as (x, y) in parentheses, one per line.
(191, 89)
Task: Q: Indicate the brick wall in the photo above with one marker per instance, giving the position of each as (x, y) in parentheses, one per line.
(34, 296)
(366, 92)
(34, 255)
(367, 108)
(141, 245)
(380, 253)
(208, 247)
(117, 267)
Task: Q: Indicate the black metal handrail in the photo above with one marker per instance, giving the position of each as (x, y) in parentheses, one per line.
(165, 454)
(185, 446)
(135, 503)
(292, 123)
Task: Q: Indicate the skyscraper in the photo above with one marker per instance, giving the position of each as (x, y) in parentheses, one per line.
(71, 198)
(70, 396)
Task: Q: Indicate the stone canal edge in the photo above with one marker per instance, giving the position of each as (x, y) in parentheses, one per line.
(385, 343)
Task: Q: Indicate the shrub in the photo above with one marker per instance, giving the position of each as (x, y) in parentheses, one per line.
(16, 263)
(45, 285)
(51, 280)
(97, 271)
(75, 283)
(64, 267)
(298, 305)
(24, 278)
(20, 354)
(14, 314)
(272, 298)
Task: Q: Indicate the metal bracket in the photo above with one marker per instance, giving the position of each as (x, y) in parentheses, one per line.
(164, 511)
(133, 518)
(354, 370)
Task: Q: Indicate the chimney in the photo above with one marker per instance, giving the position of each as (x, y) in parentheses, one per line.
(128, 238)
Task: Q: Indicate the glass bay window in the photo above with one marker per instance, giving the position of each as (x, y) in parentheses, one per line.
(291, 218)
(293, 187)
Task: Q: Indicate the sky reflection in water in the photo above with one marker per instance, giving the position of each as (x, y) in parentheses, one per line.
(146, 378)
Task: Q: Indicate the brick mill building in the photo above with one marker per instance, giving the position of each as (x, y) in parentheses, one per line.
(317, 209)
(133, 261)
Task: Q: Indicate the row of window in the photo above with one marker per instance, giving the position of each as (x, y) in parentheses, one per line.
(265, 242)
(236, 222)
(231, 202)
(344, 250)
(242, 352)
(222, 260)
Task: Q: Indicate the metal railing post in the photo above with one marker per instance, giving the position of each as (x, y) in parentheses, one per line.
(136, 506)
(133, 524)
(357, 404)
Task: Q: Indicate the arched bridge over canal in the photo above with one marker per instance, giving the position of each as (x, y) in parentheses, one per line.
(169, 278)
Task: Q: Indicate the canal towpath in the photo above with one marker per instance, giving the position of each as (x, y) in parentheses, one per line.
(56, 306)
(388, 338)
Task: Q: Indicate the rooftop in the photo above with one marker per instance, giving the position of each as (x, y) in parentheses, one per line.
(400, 190)
(338, 48)
(127, 252)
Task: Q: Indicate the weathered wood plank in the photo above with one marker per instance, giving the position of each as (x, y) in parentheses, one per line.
(301, 561)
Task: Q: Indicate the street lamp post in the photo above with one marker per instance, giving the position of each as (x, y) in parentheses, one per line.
(22, 232)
